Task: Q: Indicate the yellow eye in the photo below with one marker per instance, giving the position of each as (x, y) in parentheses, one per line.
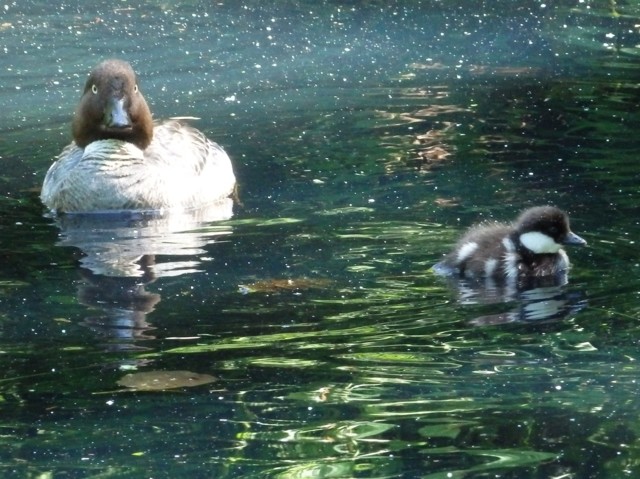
(94, 89)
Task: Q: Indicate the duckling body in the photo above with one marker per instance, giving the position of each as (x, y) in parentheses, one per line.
(121, 160)
(531, 247)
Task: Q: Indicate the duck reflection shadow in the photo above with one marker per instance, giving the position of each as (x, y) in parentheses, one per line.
(120, 258)
(534, 300)
(122, 304)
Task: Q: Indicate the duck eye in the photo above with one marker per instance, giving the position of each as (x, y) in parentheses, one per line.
(135, 88)
(94, 89)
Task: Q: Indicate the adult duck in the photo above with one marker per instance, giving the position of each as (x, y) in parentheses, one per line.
(121, 160)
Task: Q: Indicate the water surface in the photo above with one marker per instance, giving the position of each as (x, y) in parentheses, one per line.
(365, 138)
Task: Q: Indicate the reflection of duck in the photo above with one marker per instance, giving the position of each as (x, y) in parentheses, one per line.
(529, 249)
(119, 306)
(124, 252)
(121, 160)
(113, 244)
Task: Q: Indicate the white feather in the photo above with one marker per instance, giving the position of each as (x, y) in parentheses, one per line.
(490, 266)
(511, 265)
(508, 244)
(466, 250)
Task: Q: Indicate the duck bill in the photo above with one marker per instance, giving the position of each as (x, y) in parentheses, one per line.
(573, 239)
(116, 115)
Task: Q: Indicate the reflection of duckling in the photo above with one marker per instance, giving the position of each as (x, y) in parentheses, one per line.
(530, 248)
(537, 305)
(121, 160)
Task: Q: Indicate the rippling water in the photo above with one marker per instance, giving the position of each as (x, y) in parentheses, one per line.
(306, 335)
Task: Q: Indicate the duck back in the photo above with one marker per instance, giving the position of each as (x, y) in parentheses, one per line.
(181, 169)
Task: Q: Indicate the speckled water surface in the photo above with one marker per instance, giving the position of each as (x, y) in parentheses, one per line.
(300, 332)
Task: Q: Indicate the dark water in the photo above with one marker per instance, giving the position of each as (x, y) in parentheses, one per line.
(365, 137)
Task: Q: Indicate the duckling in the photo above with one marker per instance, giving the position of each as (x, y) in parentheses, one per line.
(121, 160)
(532, 247)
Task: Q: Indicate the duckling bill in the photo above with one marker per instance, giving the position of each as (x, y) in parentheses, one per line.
(531, 247)
(120, 159)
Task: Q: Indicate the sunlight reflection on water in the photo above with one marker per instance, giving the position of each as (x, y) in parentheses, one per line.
(365, 139)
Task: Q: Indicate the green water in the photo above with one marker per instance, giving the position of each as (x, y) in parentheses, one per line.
(366, 137)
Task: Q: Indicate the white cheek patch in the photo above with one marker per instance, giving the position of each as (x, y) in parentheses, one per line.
(539, 243)
(466, 250)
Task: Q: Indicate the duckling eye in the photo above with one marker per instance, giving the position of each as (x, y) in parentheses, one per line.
(135, 88)
(94, 89)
